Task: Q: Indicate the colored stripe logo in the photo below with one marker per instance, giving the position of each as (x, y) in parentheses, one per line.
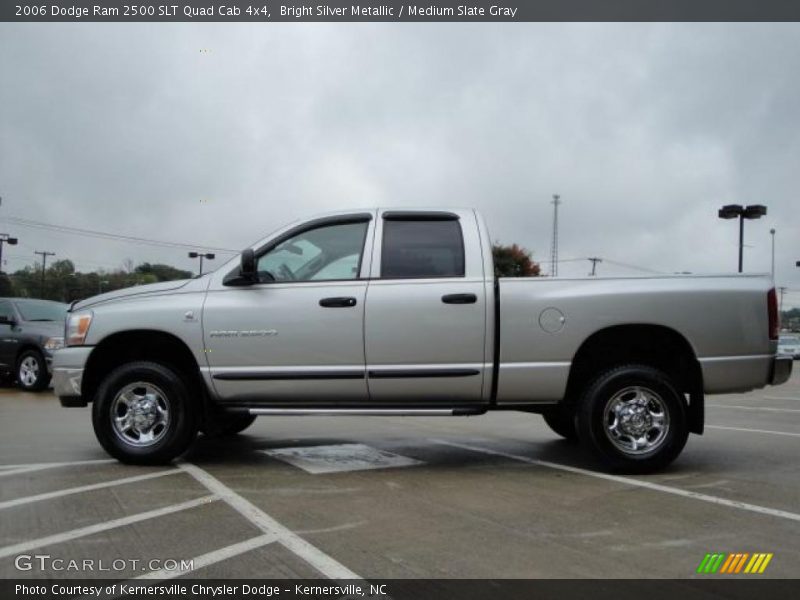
(735, 563)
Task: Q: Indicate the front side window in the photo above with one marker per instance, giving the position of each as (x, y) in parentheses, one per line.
(422, 249)
(6, 311)
(327, 253)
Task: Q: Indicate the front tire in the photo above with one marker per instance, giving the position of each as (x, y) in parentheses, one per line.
(633, 418)
(142, 414)
(32, 375)
(562, 421)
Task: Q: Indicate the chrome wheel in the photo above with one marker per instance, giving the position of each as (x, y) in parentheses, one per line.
(636, 420)
(140, 414)
(29, 371)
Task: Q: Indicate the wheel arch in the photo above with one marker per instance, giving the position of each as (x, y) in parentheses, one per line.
(658, 346)
(143, 344)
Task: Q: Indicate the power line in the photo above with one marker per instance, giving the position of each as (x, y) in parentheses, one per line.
(105, 235)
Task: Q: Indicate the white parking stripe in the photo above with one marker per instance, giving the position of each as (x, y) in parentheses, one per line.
(753, 430)
(781, 398)
(657, 487)
(205, 560)
(84, 488)
(323, 563)
(764, 408)
(18, 469)
(76, 463)
(92, 529)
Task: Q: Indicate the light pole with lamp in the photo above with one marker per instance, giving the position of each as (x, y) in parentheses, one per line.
(201, 256)
(732, 211)
(5, 239)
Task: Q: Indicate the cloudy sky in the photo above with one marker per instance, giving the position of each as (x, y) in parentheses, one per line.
(215, 134)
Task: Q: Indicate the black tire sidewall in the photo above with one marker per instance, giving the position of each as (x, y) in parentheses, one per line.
(182, 427)
(562, 422)
(591, 421)
(230, 424)
(42, 380)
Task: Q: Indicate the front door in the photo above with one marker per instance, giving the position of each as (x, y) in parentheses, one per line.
(297, 335)
(9, 344)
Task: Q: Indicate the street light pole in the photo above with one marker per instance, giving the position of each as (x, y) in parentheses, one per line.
(732, 211)
(201, 256)
(594, 260)
(5, 239)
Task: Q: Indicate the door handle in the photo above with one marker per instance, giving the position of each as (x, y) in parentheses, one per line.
(459, 299)
(339, 302)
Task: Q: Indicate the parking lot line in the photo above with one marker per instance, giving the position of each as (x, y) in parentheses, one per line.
(17, 469)
(315, 557)
(753, 430)
(657, 487)
(67, 536)
(85, 488)
(764, 408)
(215, 556)
(781, 398)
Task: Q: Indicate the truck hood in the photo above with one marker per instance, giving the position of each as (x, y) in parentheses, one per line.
(42, 328)
(137, 290)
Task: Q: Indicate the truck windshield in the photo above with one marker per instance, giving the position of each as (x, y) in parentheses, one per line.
(42, 310)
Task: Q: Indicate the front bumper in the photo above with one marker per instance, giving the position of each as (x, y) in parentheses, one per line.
(68, 366)
(781, 369)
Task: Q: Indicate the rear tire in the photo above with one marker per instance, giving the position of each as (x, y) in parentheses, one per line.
(143, 414)
(229, 425)
(562, 421)
(32, 375)
(633, 418)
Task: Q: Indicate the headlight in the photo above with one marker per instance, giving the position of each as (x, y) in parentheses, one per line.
(77, 328)
(54, 343)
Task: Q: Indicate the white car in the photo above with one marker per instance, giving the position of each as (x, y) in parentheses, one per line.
(789, 344)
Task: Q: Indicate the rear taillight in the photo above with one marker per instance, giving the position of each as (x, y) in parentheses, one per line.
(774, 320)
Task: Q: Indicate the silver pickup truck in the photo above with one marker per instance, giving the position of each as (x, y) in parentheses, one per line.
(399, 312)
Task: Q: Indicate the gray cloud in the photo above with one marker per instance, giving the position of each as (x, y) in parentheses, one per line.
(644, 129)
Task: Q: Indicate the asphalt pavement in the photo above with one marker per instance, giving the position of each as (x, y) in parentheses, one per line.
(495, 496)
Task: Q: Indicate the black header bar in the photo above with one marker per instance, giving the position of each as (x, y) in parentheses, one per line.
(504, 11)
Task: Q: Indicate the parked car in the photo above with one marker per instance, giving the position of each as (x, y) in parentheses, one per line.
(396, 312)
(790, 345)
(30, 332)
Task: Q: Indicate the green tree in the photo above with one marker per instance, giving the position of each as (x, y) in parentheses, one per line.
(514, 261)
(163, 272)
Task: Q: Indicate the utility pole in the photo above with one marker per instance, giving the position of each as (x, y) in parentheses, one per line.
(772, 233)
(44, 255)
(5, 239)
(554, 248)
(594, 260)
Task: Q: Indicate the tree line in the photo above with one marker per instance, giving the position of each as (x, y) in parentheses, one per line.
(64, 284)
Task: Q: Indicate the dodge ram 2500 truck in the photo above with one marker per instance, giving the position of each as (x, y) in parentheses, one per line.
(399, 312)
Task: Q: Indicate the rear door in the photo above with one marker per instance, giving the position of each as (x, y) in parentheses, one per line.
(425, 322)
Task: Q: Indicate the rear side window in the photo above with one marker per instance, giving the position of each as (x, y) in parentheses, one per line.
(422, 249)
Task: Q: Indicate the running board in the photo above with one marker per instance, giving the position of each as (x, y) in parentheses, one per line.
(367, 412)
